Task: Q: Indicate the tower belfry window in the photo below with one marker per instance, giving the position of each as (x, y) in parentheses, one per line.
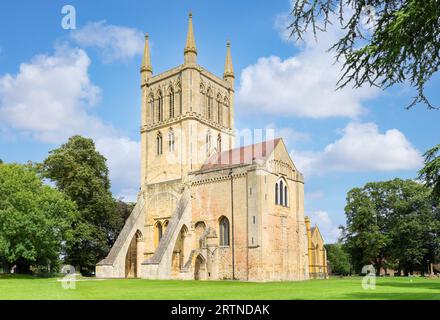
(209, 104)
(171, 102)
(219, 111)
(160, 108)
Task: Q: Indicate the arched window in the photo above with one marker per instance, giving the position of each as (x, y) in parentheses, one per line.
(180, 101)
(210, 105)
(159, 143)
(219, 143)
(224, 231)
(219, 111)
(152, 108)
(203, 100)
(171, 102)
(160, 107)
(281, 193)
(158, 234)
(228, 118)
(171, 140)
(208, 142)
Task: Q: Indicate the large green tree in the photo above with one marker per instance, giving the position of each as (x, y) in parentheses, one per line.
(81, 173)
(413, 225)
(338, 258)
(383, 42)
(430, 173)
(391, 223)
(35, 220)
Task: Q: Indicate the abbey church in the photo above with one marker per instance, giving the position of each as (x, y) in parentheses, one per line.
(207, 210)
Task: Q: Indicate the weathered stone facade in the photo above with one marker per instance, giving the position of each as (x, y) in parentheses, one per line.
(206, 210)
(317, 253)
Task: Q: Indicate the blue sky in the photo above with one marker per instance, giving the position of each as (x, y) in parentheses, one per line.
(56, 82)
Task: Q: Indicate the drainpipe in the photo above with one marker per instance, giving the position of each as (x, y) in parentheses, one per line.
(232, 217)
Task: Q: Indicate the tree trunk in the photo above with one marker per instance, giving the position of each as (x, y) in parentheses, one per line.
(377, 265)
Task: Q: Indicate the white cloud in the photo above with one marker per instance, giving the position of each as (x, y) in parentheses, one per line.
(51, 99)
(115, 42)
(303, 85)
(362, 148)
(329, 231)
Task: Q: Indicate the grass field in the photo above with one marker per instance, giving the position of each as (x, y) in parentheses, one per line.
(20, 287)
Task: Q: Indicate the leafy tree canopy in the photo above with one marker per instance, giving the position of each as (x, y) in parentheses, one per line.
(431, 171)
(385, 42)
(391, 222)
(81, 173)
(35, 219)
(338, 259)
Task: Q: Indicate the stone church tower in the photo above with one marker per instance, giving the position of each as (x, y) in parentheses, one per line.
(206, 210)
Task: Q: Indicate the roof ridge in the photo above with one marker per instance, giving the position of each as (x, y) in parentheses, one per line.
(241, 155)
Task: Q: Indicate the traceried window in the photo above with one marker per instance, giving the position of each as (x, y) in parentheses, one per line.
(171, 140)
(224, 231)
(281, 193)
(159, 143)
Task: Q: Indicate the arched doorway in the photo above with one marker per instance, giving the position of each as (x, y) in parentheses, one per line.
(178, 259)
(200, 268)
(134, 253)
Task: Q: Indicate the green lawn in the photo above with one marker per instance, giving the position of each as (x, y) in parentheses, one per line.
(13, 287)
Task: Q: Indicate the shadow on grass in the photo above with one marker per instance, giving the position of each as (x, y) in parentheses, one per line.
(11, 276)
(424, 285)
(393, 296)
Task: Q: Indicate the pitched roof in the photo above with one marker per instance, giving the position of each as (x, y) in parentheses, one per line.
(242, 155)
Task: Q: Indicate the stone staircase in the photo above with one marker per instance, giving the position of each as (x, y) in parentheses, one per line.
(159, 265)
(113, 266)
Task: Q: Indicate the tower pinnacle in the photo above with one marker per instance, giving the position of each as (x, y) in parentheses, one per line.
(190, 48)
(146, 68)
(229, 69)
